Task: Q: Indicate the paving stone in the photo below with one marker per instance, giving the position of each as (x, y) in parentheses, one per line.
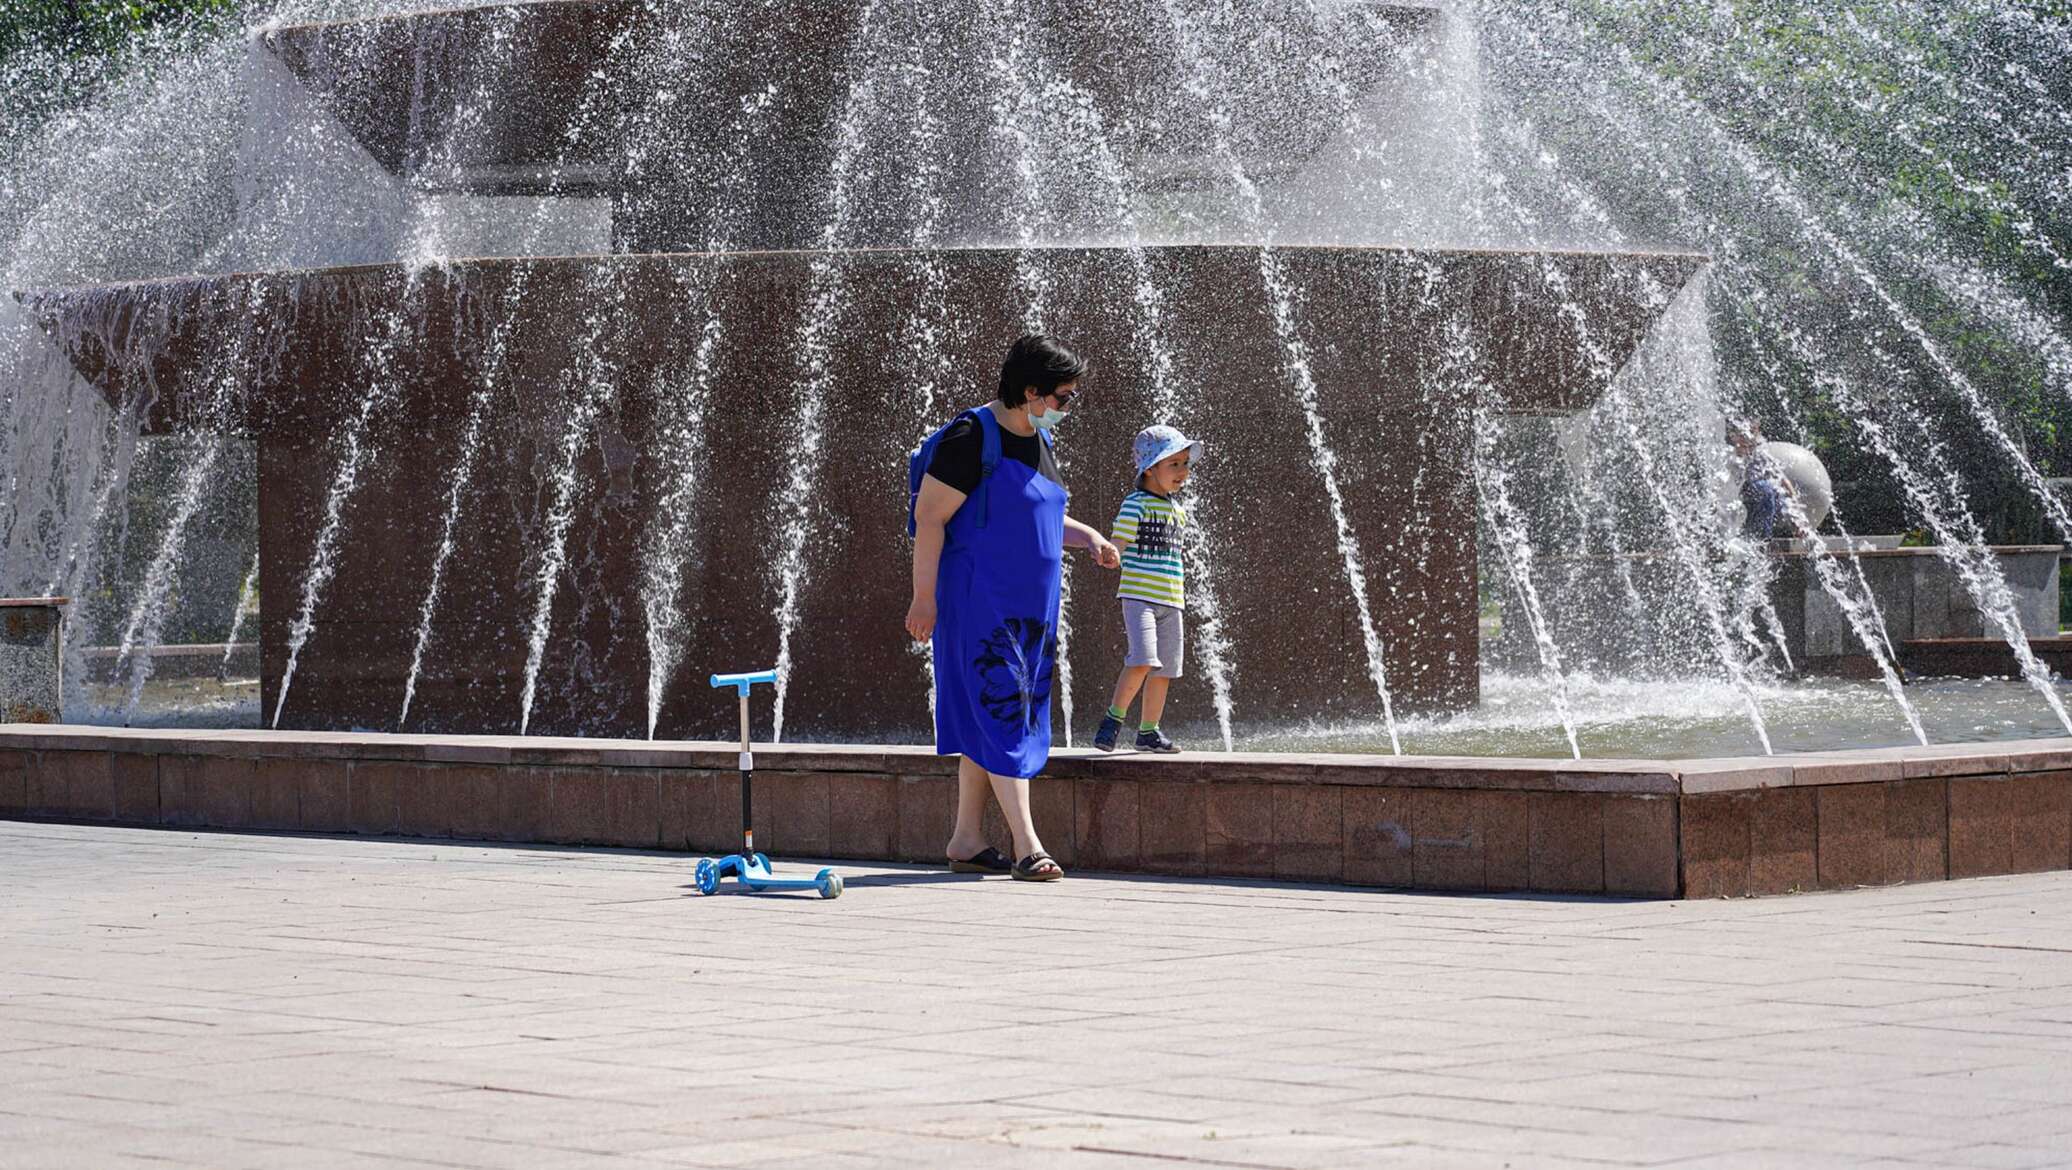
(370, 796)
(524, 804)
(136, 789)
(43, 784)
(79, 784)
(579, 805)
(1053, 807)
(1505, 819)
(14, 781)
(1917, 831)
(927, 815)
(216, 999)
(1447, 847)
(323, 792)
(633, 811)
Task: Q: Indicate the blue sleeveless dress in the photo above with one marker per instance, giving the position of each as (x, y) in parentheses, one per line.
(996, 606)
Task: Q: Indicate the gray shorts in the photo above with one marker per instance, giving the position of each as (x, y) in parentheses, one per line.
(1156, 637)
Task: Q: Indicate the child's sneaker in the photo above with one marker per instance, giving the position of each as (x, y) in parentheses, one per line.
(1155, 740)
(1111, 727)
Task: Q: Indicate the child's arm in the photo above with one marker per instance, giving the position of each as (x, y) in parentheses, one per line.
(1087, 536)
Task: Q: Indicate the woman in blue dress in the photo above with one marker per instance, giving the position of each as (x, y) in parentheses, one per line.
(988, 558)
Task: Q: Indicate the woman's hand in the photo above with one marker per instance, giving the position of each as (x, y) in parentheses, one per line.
(920, 619)
(1106, 554)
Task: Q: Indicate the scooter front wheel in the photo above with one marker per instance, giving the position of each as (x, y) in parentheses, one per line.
(708, 876)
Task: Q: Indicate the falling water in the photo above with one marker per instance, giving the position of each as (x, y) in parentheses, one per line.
(355, 447)
(494, 362)
(686, 397)
(826, 300)
(1079, 122)
(1919, 340)
(1018, 108)
(1202, 84)
(1508, 525)
(927, 327)
(1747, 564)
(247, 598)
(593, 390)
(1779, 189)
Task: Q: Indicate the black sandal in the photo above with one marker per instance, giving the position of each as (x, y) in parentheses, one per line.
(1038, 867)
(987, 860)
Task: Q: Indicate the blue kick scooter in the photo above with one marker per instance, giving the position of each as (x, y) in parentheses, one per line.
(752, 869)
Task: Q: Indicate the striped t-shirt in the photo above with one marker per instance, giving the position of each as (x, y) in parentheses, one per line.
(1151, 525)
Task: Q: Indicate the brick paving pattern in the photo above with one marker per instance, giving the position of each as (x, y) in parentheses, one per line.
(223, 1001)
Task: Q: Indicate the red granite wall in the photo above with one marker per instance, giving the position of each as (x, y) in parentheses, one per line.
(1497, 825)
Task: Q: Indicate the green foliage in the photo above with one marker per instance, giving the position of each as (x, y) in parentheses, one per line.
(1905, 131)
(95, 28)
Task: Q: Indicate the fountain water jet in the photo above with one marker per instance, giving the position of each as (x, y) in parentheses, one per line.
(1156, 244)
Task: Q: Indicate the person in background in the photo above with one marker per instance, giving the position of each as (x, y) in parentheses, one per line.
(1763, 482)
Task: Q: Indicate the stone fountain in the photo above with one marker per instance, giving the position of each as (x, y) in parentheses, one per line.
(464, 463)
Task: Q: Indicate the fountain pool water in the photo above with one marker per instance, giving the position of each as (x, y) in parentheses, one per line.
(1632, 719)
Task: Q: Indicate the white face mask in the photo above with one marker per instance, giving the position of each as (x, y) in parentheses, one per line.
(1049, 420)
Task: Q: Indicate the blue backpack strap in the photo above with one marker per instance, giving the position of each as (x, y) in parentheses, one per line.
(989, 459)
(988, 454)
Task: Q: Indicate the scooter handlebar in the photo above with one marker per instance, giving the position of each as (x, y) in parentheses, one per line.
(741, 682)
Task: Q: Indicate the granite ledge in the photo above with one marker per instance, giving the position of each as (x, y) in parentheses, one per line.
(1635, 776)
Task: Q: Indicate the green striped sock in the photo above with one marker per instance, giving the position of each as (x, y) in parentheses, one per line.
(1147, 726)
(1118, 714)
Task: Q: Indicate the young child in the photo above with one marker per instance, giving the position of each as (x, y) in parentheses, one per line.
(1154, 585)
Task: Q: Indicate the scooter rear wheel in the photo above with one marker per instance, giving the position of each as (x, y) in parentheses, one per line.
(830, 884)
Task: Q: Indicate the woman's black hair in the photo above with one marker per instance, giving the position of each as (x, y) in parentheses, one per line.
(1040, 362)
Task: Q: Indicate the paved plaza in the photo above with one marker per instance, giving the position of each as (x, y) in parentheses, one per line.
(231, 1001)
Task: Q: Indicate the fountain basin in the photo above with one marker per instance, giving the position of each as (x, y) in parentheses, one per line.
(1643, 828)
(304, 350)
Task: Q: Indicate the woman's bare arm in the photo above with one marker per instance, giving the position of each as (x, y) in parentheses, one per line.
(932, 511)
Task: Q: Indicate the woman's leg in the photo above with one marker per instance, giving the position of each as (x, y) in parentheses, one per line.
(969, 837)
(1013, 794)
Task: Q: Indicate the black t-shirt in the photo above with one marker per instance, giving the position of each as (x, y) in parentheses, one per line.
(957, 460)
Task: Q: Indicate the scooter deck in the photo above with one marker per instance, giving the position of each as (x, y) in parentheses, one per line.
(754, 872)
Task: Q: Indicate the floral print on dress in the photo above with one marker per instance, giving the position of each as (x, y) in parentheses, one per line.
(1014, 668)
